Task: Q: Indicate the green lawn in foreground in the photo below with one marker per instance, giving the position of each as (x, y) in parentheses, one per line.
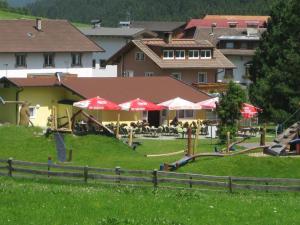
(26, 144)
(44, 203)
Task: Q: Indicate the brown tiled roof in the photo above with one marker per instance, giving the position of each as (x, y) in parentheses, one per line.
(155, 89)
(55, 36)
(218, 60)
(186, 43)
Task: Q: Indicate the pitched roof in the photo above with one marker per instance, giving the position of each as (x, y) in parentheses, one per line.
(237, 17)
(187, 43)
(218, 60)
(119, 89)
(117, 31)
(206, 33)
(160, 26)
(244, 52)
(55, 36)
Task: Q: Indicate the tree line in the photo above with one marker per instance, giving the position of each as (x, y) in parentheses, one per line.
(112, 11)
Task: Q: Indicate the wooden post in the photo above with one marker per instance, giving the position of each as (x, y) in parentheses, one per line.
(10, 168)
(263, 136)
(85, 173)
(191, 184)
(69, 120)
(70, 155)
(196, 137)
(155, 181)
(230, 184)
(118, 127)
(118, 173)
(189, 142)
(49, 164)
(130, 137)
(228, 142)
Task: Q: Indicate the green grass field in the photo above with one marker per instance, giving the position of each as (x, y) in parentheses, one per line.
(43, 203)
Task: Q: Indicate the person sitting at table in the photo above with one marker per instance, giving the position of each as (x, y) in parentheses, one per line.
(175, 121)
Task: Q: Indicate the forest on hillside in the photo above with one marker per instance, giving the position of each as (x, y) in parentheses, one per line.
(112, 11)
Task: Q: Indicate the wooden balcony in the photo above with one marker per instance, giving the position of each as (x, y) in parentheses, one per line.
(211, 87)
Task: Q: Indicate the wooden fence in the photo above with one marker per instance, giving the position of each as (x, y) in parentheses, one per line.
(155, 178)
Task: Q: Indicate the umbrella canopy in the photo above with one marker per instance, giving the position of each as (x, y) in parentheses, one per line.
(179, 104)
(208, 104)
(140, 105)
(249, 111)
(97, 103)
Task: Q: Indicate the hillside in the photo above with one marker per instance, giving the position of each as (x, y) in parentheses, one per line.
(19, 3)
(111, 12)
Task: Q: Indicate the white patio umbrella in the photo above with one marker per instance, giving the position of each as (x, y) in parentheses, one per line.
(208, 104)
(179, 104)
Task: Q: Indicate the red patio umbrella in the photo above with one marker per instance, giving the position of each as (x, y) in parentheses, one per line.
(140, 105)
(97, 103)
(249, 111)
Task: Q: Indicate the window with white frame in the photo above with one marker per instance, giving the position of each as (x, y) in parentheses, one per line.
(149, 74)
(202, 77)
(168, 54)
(48, 60)
(21, 60)
(139, 56)
(76, 59)
(185, 114)
(205, 54)
(229, 45)
(128, 73)
(176, 75)
(193, 54)
(32, 112)
(180, 54)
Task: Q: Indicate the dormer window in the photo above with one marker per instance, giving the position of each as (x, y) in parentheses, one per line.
(193, 54)
(168, 54)
(205, 54)
(180, 54)
(139, 56)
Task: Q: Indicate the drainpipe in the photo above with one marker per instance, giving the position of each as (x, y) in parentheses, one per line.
(17, 105)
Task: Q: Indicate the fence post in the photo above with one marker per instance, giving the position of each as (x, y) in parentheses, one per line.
(86, 173)
(70, 155)
(230, 184)
(49, 165)
(191, 184)
(10, 168)
(118, 173)
(155, 182)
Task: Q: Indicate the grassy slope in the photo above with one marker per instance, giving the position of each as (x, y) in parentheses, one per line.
(26, 144)
(40, 203)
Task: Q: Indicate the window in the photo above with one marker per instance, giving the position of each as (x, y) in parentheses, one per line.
(228, 74)
(244, 45)
(202, 77)
(128, 73)
(32, 112)
(21, 60)
(205, 54)
(94, 63)
(180, 54)
(177, 76)
(185, 114)
(76, 59)
(229, 45)
(102, 64)
(149, 74)
(168, 54)
(139, 56)
(193, 54)
(49, 60)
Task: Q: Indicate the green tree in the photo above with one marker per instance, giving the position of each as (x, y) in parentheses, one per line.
(229, 108)
(276, 65)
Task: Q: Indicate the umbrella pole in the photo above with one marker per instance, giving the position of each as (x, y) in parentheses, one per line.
(196, 137)
(168, 118)
(118, 126)
(130, 137)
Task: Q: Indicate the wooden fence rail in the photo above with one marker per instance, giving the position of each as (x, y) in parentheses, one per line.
(153, 178)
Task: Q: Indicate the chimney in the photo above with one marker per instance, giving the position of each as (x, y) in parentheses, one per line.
(38, 24)
(168, 37)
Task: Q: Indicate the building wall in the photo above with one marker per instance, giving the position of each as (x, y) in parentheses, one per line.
(111, 45)
(35, 62)
(140, 67)
(8, 111)
(239, 71)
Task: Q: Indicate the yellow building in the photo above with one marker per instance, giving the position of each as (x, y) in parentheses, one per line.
(45, 92)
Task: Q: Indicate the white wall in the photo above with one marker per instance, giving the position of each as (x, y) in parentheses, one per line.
(111, 45)
(239, 71)
(35, 62)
